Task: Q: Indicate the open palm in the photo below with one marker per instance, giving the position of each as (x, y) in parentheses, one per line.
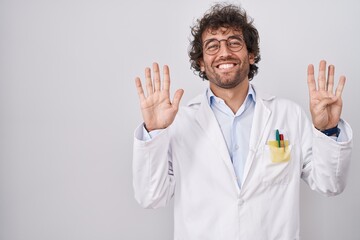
(325, 105)
(156, 108)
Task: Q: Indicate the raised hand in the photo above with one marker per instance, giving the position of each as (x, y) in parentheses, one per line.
(325, 104)
(156, 108)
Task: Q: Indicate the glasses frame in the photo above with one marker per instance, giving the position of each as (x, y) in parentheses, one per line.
(228, 44)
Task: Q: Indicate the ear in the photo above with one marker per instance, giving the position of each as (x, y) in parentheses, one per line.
(202, 65)
(251, 58)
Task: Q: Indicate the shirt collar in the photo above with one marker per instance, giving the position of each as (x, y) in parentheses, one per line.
(251, 96)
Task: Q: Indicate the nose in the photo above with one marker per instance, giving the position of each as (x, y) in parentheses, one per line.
(224, 51)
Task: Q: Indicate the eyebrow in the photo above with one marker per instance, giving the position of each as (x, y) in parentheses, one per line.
(232, 36)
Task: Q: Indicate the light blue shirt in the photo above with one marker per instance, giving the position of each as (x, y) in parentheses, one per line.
(236, 128)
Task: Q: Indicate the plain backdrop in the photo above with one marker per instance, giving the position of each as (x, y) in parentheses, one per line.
(68, 107)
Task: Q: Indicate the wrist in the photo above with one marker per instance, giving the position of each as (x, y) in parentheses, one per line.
(335, 131)
(149, 128)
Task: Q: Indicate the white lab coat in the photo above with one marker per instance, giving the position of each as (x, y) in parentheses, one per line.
(190, 161)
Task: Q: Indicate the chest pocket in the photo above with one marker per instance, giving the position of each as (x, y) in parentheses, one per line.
(276, 163)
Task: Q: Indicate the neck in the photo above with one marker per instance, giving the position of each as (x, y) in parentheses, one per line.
(233, 97)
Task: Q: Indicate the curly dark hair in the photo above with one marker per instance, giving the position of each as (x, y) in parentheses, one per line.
(228, 16)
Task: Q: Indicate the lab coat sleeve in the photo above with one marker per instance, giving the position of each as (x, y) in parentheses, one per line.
(325, 161)
(153, 179)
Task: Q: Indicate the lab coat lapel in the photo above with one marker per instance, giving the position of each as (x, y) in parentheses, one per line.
(210, 126)
(260, 121)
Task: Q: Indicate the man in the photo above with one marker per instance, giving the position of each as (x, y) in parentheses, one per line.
(234, 156)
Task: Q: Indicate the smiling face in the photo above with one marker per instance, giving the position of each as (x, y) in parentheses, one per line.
(227, 68)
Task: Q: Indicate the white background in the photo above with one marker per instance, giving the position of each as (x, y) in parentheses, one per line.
(68, 107)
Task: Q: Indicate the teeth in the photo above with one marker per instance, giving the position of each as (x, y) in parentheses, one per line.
(225, 66)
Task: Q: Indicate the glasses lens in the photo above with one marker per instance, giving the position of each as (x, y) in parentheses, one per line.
(235, 43)
(212, 46)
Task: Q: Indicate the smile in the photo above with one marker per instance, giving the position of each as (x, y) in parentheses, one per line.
(226, 65)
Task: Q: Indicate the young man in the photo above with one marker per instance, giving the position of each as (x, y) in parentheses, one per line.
(234, 156)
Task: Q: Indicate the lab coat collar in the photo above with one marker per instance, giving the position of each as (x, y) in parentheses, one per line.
(207, 121)
(260, 121)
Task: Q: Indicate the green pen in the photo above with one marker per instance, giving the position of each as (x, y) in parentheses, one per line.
(277, 134)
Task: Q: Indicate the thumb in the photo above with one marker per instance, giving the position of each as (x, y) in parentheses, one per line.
(177, 97)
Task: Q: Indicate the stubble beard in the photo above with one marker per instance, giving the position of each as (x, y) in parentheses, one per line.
(227, 81)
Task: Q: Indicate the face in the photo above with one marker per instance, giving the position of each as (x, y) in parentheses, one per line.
(227, 68)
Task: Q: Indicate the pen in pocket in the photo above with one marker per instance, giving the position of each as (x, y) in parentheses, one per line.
(277, 137)
(282, 141)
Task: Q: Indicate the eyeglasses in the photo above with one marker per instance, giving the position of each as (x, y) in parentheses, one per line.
(233, 43)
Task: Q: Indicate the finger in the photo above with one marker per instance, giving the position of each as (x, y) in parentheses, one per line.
(321, 106)
(166, 81)
(322, 77)
(156, 76)
(330, 79)
(311, 79)
(149, 86)
(139, 89)
(340, 87)
(177, 97)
